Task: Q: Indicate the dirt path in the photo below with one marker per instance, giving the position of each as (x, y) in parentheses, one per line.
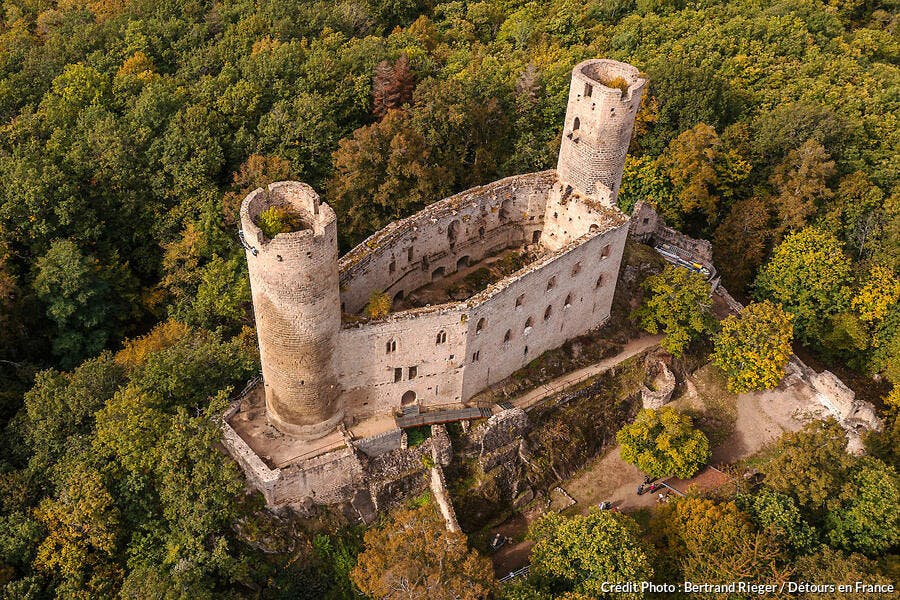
(632, 348)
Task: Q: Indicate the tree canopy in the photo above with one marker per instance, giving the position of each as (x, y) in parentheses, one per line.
(677, 304)
(663, 442)
(753, 348)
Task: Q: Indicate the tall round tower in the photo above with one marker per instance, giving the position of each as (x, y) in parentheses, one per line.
(604, 98)
(296, 299)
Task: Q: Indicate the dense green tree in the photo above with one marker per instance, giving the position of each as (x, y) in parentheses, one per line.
(809, 465)
(677, 304)
(383, 173)
(808, 275)
(778, 514)
(702, 173)
(80, 301)
(664, 442)
(580, 553)
(753, 347)
(867, 519)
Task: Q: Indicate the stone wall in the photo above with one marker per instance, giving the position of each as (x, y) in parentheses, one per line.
(410, 253)
(487, 337)
(381, 443)
(648, 227)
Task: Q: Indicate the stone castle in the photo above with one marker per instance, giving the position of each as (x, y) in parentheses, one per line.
(336, 384)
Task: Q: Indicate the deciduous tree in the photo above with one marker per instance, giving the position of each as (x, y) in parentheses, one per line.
(678, 305)
(414, 557)
(808, 275)
(663, 442)
(753, 347)
(578, 554)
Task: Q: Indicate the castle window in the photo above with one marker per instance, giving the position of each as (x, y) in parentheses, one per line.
(441, 337)
(507, 336)
(588, 89)
(551, 284)
(528, 325)
(481, 232)
(453, 232)
(480, 326)
(576, 269)
(413, 371)
(526, 351)
(594, 227)
(390, 346)
(393, 266)
(599, 282)
(605, 252)
(398, 374)
(646, 220)
(476, 356)
(576, 125)
(548, 312)
(535, 236)
(568, 301)
(408, 398)
(520, 300)
(409, 254)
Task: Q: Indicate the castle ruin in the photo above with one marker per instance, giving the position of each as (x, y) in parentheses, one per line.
(337, 385)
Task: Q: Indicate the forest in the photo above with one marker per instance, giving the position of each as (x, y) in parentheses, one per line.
(132, 129)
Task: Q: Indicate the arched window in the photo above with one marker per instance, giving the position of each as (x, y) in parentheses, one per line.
(576, 269)
(568, 301)
(526, 351)
(529, 323)
(480, 326)
(441, 337)
(599, 282)
(548, 312)
(594, 227)
(576, 125)
(605, 252)
(408, 398)
(507, 336)
(552, 283)
(390, 346)
(520, 300)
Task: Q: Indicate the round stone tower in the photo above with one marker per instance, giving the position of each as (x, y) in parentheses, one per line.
(296, 299)
(604, 98)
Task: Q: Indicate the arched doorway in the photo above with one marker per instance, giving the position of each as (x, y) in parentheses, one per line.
(408, 398)
(462, 263)
(437, 273)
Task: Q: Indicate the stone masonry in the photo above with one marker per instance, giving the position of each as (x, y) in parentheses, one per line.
(324, 368)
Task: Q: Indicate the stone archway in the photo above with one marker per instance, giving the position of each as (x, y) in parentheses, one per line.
(408, 398)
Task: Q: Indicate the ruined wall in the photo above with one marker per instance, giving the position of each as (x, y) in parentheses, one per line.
(487, 337)
(368, 371)
(411, 252)
(598, 126)
(327, 479)
(294, 284)
(560, 297)
(650, 228)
